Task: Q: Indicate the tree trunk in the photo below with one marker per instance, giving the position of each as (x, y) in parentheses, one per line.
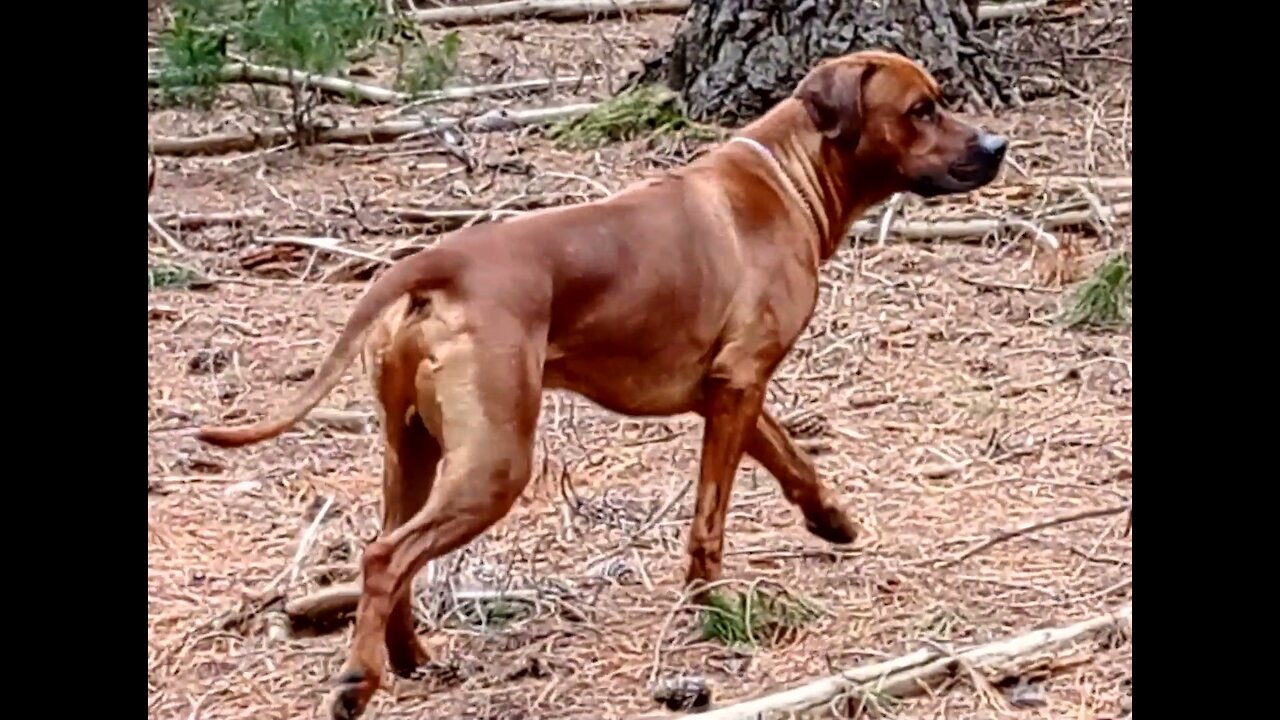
(733, 59)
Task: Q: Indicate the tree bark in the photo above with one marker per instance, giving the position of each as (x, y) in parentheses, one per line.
(733, 59)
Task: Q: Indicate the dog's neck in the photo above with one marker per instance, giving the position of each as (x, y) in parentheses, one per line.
(804, 199)
(834, 195)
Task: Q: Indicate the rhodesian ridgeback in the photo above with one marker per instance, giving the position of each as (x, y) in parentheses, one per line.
(679, 294)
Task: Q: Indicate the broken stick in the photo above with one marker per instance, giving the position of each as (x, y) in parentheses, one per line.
(915, 673)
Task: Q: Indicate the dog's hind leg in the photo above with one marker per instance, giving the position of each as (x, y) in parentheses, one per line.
(411, 454)
(488, 385)
(769, 445)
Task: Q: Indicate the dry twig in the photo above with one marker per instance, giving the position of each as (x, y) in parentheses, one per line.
(166, 236)
(1033, 527)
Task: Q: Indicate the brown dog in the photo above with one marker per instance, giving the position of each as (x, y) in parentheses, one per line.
(680, 294)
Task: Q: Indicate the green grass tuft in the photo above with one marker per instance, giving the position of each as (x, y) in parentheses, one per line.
(646, 110)
(754, 617)
(310, 35)
(1105, 299)
(170, 277)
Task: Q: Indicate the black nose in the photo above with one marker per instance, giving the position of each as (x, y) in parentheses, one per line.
(993, 145)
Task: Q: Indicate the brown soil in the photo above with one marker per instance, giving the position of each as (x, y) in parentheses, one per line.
(933, 387)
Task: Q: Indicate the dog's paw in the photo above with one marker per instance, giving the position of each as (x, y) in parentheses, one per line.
(347, 701)
(832, 525)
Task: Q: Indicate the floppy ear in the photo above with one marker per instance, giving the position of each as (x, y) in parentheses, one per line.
(832, 93)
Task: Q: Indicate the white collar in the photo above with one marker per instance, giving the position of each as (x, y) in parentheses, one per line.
(759, 146)
(786, 179)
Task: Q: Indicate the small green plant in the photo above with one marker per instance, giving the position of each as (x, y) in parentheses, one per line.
(750, 618)
(424, 67)
(311, 36)
(306, 36)
(1105, 299)
(170, 277)
(639, 111)
(194, 49)
(492, 613)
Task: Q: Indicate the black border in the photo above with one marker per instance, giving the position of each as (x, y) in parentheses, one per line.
(1183, 391)
(67, 333)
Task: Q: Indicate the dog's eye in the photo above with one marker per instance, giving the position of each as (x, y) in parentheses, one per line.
(924, 110)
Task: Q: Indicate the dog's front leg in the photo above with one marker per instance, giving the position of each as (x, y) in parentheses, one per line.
(769, 445)
(733, 400)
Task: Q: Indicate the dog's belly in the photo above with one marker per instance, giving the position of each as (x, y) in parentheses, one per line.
(628, 386)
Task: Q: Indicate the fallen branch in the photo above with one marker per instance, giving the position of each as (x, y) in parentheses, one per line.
(1025, 529)
(954, 229)
(324, 244)
(917, 672)
(468, 92)
(544, 10)
(324, 606)
(249, 73)
(222, 143)
(329, 604)
(578, 9)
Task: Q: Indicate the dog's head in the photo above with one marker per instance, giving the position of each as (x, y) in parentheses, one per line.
(881, 110)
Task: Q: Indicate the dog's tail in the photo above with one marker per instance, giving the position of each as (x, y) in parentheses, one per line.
(426, 270)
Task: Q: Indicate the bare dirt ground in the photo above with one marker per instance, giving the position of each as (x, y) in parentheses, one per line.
(933, 388)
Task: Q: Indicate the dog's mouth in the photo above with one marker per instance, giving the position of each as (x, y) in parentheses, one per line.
(960, 177)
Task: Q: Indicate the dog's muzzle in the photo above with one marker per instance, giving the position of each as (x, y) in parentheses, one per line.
(979, 166)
